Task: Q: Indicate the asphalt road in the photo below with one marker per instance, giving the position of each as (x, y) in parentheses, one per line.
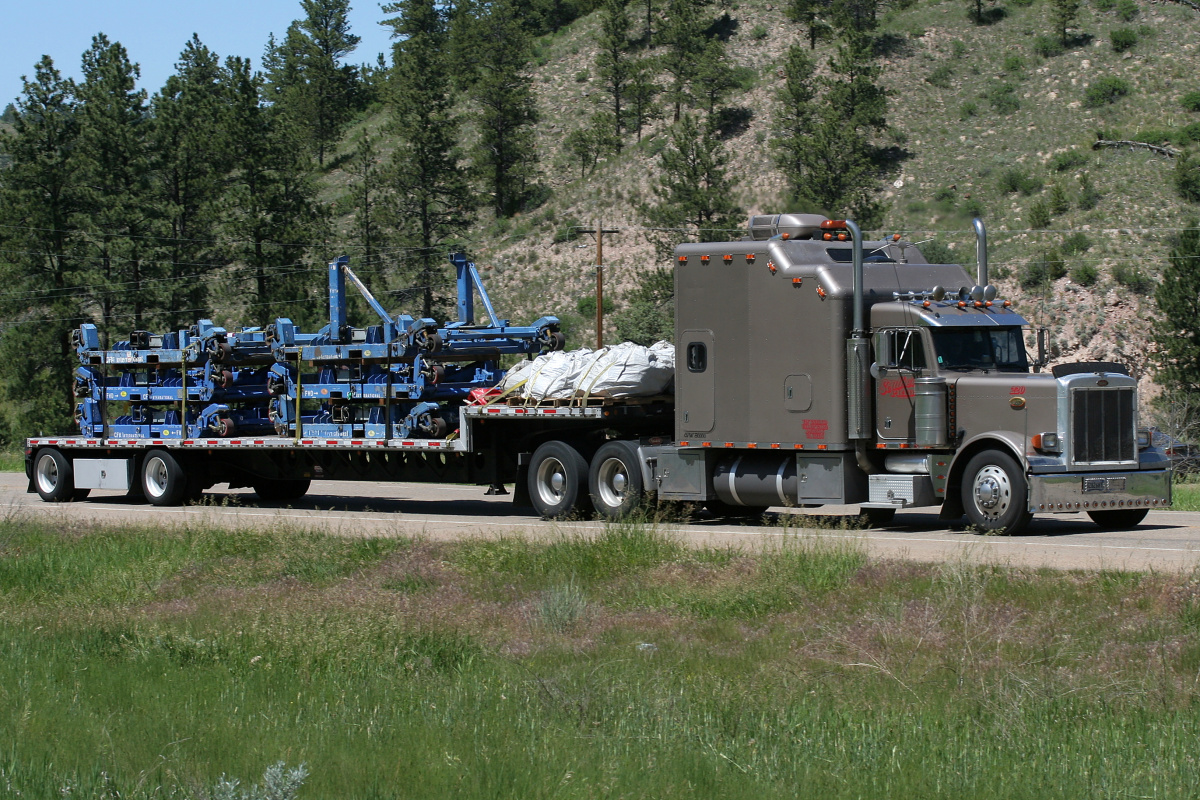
(1165, 541)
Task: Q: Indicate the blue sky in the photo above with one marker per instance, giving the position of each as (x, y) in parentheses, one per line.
(155, 31)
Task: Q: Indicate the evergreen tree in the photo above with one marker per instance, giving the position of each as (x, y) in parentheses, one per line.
(270, 213)
(649, 312)
(1187, 177)
(364, 202)
(190, 162)
(431, 194)
(715, 78)
(795, 111)
(693, 191)
(811, 14)
(506, 111)
(306, 76)
(40, 195)
(613, 62)
(641, 94)
(683, 36)
(1178, 300)
(118, 217)
(854, 16)
(852, 86)
(1063, 14)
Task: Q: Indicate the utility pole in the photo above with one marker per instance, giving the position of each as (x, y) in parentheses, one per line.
(599, 232)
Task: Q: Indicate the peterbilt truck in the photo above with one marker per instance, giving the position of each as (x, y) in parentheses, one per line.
(812, 368)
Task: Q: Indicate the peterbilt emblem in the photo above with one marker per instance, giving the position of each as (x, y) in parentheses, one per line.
(1017, 402)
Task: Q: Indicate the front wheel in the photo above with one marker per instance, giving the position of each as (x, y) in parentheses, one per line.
(1121, 518)
(994, 493)
(558, 480)
(615, 479)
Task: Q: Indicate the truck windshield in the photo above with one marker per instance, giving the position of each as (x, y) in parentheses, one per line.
(1001, 349)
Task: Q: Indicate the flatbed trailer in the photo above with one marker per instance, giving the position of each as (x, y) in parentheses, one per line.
(496, 444)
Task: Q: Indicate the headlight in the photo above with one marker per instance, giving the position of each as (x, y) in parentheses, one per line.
(1143, 438)
(1046, 442)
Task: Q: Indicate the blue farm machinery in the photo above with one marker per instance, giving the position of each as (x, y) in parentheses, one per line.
(405, 377)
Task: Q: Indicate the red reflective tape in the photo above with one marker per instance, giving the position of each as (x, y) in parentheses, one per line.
(351, 442)
(259, 441)
(331, 441)
(307, 441)
(408, 444)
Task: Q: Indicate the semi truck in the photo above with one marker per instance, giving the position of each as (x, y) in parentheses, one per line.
(812, 369)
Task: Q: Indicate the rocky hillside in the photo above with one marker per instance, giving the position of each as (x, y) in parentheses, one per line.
(984, 125)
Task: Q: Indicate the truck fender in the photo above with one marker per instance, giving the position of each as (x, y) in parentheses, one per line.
(1005, 441)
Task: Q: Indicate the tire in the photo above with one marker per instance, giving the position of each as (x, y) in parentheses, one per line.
(54, 477)
(163, 481)
(557, 480)
(615, 482)
(282, 490)
(995, 494)
(1119, 519)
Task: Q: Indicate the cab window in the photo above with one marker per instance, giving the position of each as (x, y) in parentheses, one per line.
(901, 349)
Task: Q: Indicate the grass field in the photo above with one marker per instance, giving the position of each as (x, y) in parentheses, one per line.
(150, 663)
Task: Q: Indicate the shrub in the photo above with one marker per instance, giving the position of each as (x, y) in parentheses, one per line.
(1071, 159)
(581, 76)
(958, 48)
(1003, 97)
(1127, 10)
(1105, 91)
(937, 253)
(1076, 243)
(1014, 63)
(1047, 46)
(944, 194)
(1155, 136)
(1089, 196)
(968, 109)
(1187, 177)
(1057, 201)
(1039, 215)
(1085, 275)
(1105, 5)
(1123, 39)
(1132, 278)
(1189, 134)
(973, 207)
(1014, 180)
(758, 33)
(1046, 268)
(1190, 101)
(940, 77)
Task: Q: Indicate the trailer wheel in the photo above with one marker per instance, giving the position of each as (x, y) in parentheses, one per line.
(163, 481)
(557, 480)
(615, 479)
(55, 477)
(994, 493)
(282, 490)
(1121, 518)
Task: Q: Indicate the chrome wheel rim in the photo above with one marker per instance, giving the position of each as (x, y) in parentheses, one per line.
(613, 482)
(551, 481)
(992, 492)
(156, 477)
(47, 474)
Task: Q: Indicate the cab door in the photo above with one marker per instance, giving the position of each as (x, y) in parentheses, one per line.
(900, 358)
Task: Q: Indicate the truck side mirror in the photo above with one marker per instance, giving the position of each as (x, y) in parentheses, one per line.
(1041, 351)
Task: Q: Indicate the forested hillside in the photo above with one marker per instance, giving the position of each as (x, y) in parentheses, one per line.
(511, 128)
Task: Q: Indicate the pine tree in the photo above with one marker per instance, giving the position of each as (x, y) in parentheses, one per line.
(1178, 300)
(40, 194)
(715, 78)
(270, 214)
(506, 111)
(1063, 14)
(364, 201)
(190, 155)
(306, 76)
(118, 218)
(682, 35)
(613, 62)
(430, 192)
(811, 14)
(642, 91)
(694, 191)
(795, 111)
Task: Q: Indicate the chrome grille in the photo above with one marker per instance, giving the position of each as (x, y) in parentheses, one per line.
(1102, 427)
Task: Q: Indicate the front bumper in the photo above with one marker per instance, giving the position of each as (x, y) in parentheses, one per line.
(1092, 491)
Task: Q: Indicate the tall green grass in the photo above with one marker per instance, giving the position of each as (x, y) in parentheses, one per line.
(145, 664)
